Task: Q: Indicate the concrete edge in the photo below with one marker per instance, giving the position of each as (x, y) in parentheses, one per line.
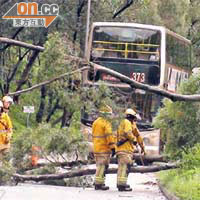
(166, 192)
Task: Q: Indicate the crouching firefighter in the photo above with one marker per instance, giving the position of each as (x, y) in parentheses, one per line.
(125, 147)
(104, 145)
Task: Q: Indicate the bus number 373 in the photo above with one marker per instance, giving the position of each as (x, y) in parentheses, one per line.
(139, 77)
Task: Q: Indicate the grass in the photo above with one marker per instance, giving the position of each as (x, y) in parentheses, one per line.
(184, 183)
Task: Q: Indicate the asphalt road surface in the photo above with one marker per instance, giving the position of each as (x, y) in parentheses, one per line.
(144, 188)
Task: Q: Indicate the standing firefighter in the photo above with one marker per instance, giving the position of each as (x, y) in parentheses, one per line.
(104, 145)
(126, 134)
(5, 131)
(7, 101)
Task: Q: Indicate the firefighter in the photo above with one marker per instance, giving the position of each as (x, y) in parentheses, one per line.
(5, 131)
(126, 134)
(7, 102)
(104, 146)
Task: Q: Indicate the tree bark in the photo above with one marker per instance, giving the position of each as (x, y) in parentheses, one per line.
(52, 110)
(64, 117)
(47, 82)
(13, 37)
(153, 89)
(137, 158)
(40, 112)
(20, 44)
(80, 7)
(84, 172)
(124, 79)
(124, 7)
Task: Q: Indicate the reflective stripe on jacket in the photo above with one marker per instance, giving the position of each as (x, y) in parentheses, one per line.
(102, 136)
(125, 132)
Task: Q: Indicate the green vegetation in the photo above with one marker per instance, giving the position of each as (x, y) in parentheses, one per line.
(180, 124)
(185, 182)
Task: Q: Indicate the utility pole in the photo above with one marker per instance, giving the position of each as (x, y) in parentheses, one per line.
(87, 27)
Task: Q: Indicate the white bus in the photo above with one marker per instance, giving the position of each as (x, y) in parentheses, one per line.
(148, 54)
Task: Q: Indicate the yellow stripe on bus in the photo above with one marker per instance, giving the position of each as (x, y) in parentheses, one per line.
(105, 42)
(129, 51)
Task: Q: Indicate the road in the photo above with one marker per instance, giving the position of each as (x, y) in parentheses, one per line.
(144, 188)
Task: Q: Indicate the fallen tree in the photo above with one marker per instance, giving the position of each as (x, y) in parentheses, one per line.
(124, 79)
(84, 172)
(153, 89)
(146, 159)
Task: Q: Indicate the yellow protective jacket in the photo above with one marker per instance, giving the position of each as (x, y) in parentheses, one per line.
(136, 133)
(124, 132)
(5, 131)
(102, 136)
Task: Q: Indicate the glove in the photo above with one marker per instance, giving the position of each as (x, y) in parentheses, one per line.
(113, 152)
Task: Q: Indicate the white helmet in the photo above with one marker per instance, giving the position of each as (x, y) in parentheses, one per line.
(130, 111)
(7, 99)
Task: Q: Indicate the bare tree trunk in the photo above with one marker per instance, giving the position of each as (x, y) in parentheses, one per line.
(80, 6)
(41, 110)
(146, 159)
(84, 172)
(51, 111)
(64, 117)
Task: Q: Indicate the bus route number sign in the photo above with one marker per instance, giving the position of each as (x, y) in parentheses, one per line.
(138, 76)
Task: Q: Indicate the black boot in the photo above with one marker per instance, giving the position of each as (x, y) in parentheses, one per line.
(124, 188)
(101, 187)
(126, 185)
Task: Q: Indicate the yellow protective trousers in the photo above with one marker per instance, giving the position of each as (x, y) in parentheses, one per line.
(102, 163)
(124, 160)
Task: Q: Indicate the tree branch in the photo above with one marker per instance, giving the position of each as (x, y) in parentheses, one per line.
(153, 89)
(124, 79)
(48, 81)
(128, 4)
(146, 159)
(20, 44)
(13, 37)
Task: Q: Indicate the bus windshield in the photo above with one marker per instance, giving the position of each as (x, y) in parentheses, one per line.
(126, 42)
